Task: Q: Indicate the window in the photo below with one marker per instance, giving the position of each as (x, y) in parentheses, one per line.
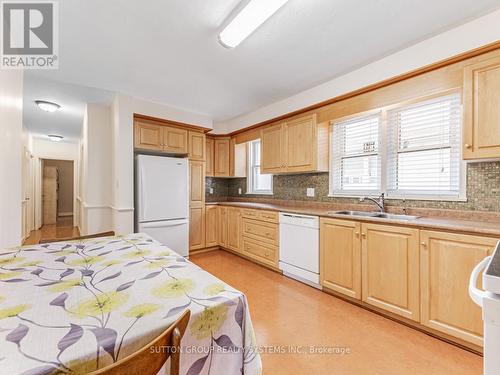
(411, 152)
(356, 158)
(423, 153)
(257, 183)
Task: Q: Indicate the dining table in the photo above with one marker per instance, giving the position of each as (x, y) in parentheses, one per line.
(73, 307)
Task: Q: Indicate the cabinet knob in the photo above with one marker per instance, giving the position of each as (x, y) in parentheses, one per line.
(363, 235)
(423, 244)
(357, 234)
(468, 146)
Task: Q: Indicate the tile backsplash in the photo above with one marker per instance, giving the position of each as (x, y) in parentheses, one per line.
(483, 189)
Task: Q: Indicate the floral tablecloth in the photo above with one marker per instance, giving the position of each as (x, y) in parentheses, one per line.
(77, 306)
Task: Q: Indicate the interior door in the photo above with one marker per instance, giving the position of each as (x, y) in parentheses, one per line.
(49, 195)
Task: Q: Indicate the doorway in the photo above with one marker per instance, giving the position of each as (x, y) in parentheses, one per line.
(57, 200)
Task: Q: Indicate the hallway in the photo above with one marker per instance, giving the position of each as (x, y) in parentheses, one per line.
(64, 228)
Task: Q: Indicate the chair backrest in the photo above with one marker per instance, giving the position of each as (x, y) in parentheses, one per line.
(149, 359)
(96, 235)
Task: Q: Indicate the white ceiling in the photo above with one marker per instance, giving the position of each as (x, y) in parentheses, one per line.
(167, 51)
(68, 120)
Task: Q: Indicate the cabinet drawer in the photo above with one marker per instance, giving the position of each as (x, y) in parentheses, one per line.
(261, 231)
(262, 252)
(271, 216)
(249, 213)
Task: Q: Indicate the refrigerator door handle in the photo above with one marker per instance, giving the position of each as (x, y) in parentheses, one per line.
(475, 293)
(143, 206)
(165, 224)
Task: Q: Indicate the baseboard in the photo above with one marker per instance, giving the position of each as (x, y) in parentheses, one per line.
(409, 323)
(205, 250)
(63, 214)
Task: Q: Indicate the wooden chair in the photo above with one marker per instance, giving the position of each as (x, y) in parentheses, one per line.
(147, 361)
(96, 235)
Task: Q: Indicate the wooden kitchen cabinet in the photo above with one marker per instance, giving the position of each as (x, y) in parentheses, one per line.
(481, 128)
(446, 262)
(148, 136)
(222, 157)
(210, 156)
(196, 228)
(223, 226)
(272, 149)
(234, 228)
(340, 256)
(197, 146)
(175, 140)
(196, 183)
(390, 269)
(211, 225)
(298, 145)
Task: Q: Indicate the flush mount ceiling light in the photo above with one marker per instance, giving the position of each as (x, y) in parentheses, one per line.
(55, 138)
(47, 106)
(250, 17)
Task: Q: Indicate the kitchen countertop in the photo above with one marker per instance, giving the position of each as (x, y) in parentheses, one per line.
(486, 228)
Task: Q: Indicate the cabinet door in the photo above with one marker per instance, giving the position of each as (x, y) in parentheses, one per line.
(197, 147)
(272, 153)
(210, 157)
(300, 144)
(223, 226)
(446, 262)
(196, 228)
(234, 228)
(175, 140)
(482, 109)
(196, 183)
(222, 162)
(211, 226)
(340, 256)
(148, 137)
(390, 269)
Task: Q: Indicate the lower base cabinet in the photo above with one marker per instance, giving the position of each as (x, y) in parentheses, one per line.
(262, 252)
(197, 228)
(211, 225)
(340, 256)
(390, 269)
(446, 262)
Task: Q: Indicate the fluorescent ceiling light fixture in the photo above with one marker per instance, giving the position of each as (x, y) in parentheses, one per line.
(47, 106)
(55, 138)
(254, 14)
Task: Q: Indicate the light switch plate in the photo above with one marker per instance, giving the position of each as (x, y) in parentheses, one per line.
(211, 190)
(310, 192)
(239, 191)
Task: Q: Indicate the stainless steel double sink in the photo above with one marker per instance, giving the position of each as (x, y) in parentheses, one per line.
(383, 215)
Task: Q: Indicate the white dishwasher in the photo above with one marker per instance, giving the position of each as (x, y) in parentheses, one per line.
(299, 247)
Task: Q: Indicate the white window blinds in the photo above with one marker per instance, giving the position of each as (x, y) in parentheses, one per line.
(257, 183)
(423, 151)
(356, 158)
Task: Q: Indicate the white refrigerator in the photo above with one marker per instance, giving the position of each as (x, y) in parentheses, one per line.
(162, 200)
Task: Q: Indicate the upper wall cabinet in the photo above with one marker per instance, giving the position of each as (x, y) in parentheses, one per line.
(210, 156)
(482, 109)
(225, 158)
(296, 146)
(175, 140)
(197, 146)
(148, 136)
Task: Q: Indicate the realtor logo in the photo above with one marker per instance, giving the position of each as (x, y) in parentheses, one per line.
(29, 35)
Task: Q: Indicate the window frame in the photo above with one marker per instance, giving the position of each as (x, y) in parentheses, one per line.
(383, 151)
(251, 167)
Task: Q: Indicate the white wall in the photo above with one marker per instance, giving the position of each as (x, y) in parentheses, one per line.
(11, 147)
(477, 33)
(123, 110)
(95, 188)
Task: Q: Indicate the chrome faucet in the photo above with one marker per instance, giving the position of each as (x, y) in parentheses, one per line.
(379, 202)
